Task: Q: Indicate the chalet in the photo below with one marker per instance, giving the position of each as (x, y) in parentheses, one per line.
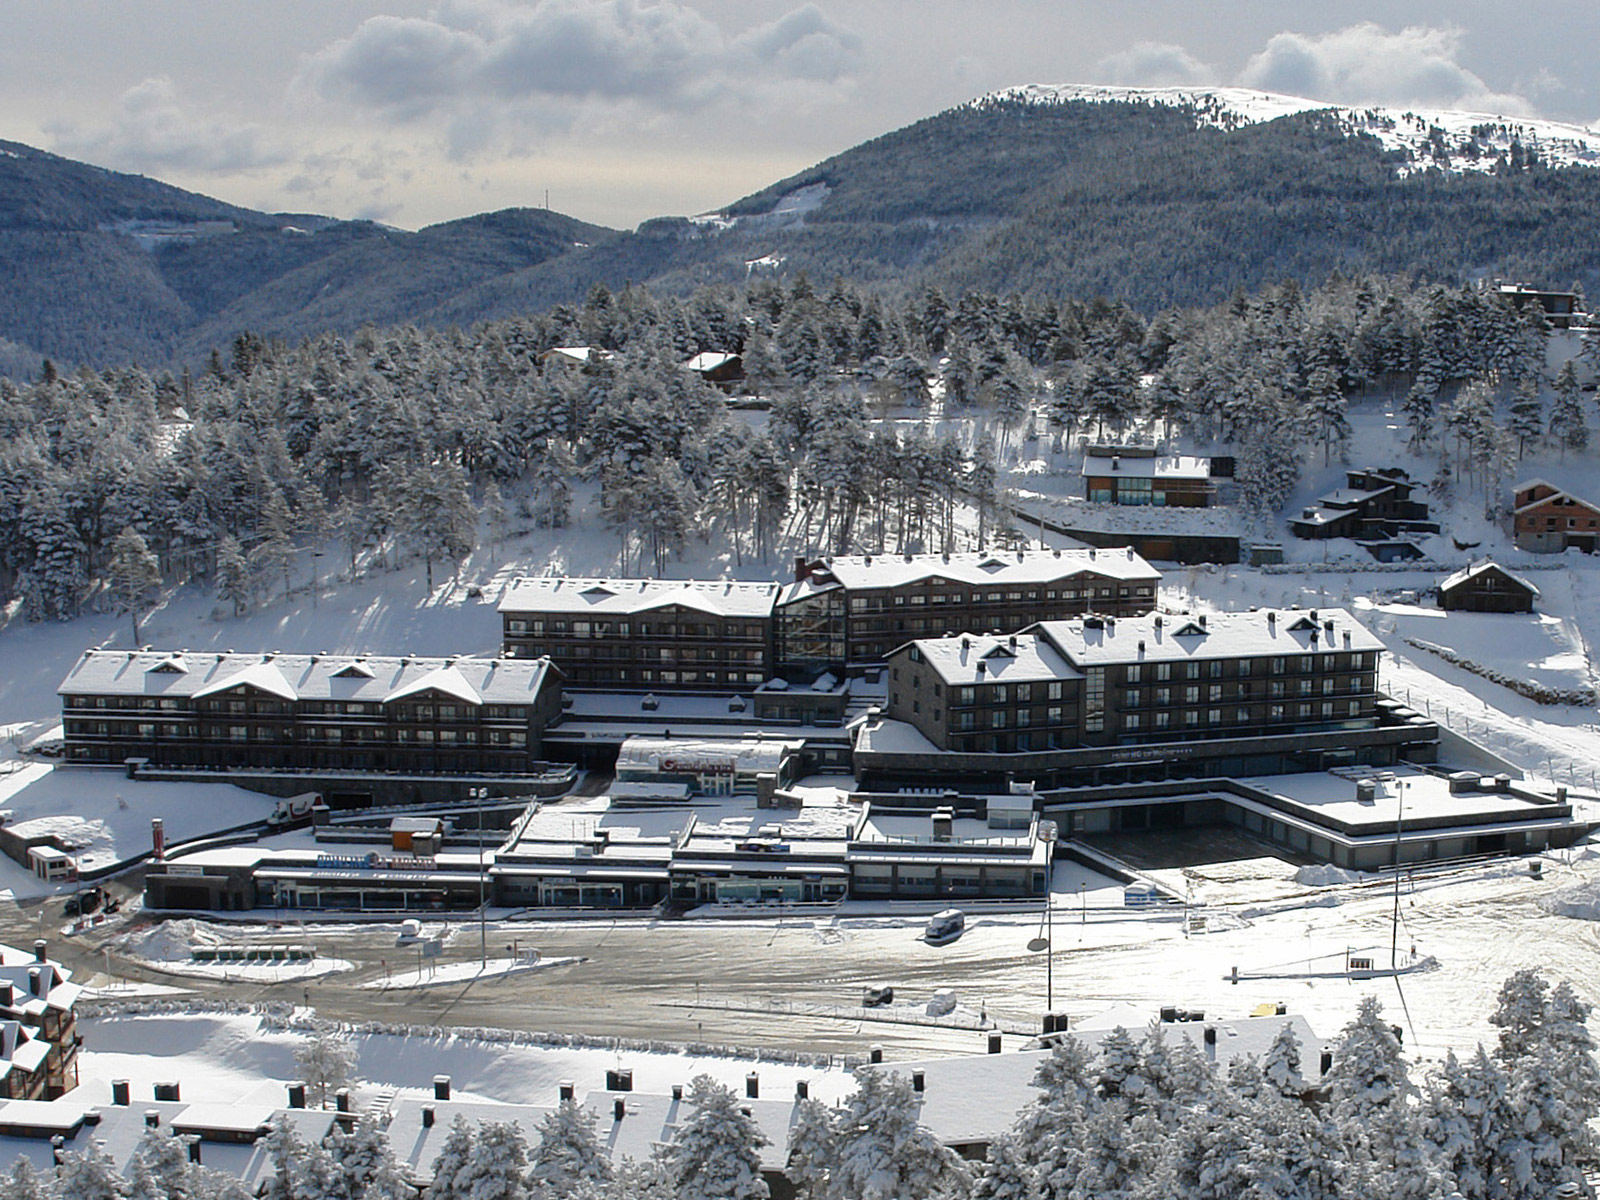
(1548, 520)
(38, 1025)
(1137, 475)
(1374, 505)
(573, 357)
(1487, 587)
(715, 367)
(1562, 310)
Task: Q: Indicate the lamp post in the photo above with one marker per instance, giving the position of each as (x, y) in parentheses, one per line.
(1047, 835)
(483, 902)
(315, 554)
(1394, 925)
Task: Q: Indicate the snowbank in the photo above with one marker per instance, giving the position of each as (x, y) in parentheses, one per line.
(1581, 901)
(1325, 875)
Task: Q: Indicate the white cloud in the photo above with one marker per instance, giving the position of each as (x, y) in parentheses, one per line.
(152, 128)
(471, 56)
(1366, 64)
(1155, 64)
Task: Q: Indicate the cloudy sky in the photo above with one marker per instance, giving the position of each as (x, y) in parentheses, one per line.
(624, 109)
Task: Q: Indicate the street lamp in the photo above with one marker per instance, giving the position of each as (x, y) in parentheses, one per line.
(1047, 835)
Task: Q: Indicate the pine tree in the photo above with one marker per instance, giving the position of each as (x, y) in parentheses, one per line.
(568, 1158)
(133, 574)
(283, 1149)
(883, 1152)
(1281, 1067)
(90, 1174)
(1527, 414)
(813, 1148)
(715, 1154)
(1006, 1173)
(24, 1183)
(1567, 425)
(449, 1168)
(327, 1059)
(497, 1168)
(160, 1167)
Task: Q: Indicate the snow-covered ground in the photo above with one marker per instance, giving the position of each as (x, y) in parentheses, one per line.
(450, 974)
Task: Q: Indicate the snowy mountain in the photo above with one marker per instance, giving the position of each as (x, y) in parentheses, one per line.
(1448, 139)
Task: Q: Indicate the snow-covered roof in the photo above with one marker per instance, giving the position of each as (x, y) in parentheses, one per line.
(1555, 493)
(984, 658)
(574, 354)
(1170, 466)
(986, 567)
(1160, 637)
(620, 597)
(709, 360)
(687, 755)
(306, 676)
(1469, 573)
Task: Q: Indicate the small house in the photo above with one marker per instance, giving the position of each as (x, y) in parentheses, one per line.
(1487, 587)
(1547, 520)
(1137, 475)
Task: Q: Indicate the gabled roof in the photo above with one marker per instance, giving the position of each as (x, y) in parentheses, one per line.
(984, 658)
(1468, 573)
(985, 567)
(262, 676)
(1555, 492)
(444, 679)
(619, 597)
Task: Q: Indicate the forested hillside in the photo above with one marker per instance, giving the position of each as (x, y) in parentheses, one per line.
(414, 442)
(1143, 203)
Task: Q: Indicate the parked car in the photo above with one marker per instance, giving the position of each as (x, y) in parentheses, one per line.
(877, 995)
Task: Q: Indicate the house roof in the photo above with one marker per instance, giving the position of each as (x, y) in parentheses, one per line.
(1158, 637)
(1554, 493)
(305, 676)
(1469, 573)
(710, 360)
(986, 567)
(982, 658)
(1172, 466)
(619, 597)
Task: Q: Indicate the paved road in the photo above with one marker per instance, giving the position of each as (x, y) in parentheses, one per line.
(682, 980)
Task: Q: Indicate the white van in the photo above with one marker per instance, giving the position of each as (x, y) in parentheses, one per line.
(945, 926)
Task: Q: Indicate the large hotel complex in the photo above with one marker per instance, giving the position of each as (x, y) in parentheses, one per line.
(978, 700)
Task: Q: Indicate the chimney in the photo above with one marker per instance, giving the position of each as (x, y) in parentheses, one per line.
(619, 1080)
(677, 1091)
(119, 1093)
(194, 1151)
(874, 1053)
(1327, 1061)
(297, 1095)
(39, 947)
(152, 1119)
(427, 1116)
(158, 840)
(802, 569)
(994, 1043)
(566, 1090)
(752, 1086)
(441, 1087)
(619, 1109)
(37, 986)
(1211, 1035)
(7, 995)
(802, 1090)
(919, 1081)
(341, 1100)
(168, 1091)
(58, 1148)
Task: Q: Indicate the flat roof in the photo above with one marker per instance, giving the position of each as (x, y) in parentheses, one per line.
(1399, 793)
(1171, 466)
(983, 567)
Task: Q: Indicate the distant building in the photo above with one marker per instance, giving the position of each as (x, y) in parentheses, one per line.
(301, 715)
(1374, 505)
(1137, 475)
(1548, 520)
(1487, 587)
(1562, 309)
(572, 357)
(1102, 699)
(841, 613)
(644, 634)
(716, 367)
(38, 1025)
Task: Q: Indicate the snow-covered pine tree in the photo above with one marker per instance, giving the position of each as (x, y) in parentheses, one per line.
(715, 1154)
(1567, 424)
(1281, 1066)
(1527, 414)
(316, 1175)
(568, 1158)
(813, 1148)
(133, 573)
(497, 1168)
(1465, 1115)
(1006, 1173)
(449, 1180)
(25, 1183)
(90, 1174)
(326, 1060)
(283, 1148)
(884, 1154)
(160, 1167)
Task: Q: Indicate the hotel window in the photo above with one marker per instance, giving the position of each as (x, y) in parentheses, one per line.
(1094, 700)
(1024, 693)
(1163, 719)
(1214, 716)
(1244, 668)
(1053, 691)
(1053, 715)
(1192, 717)
(1305, 687)
(1327, 687)
(1274, 712)
(1131, 721)
(1132, 698)
(1191, 694)
(1277, 666)
(1163, 671)
(1163, 695)
(1327, 708)
(1214, 669)
(1241, 715)
(1191, 670)
(1355, 708)
(1214, 692)
(1133, 673)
